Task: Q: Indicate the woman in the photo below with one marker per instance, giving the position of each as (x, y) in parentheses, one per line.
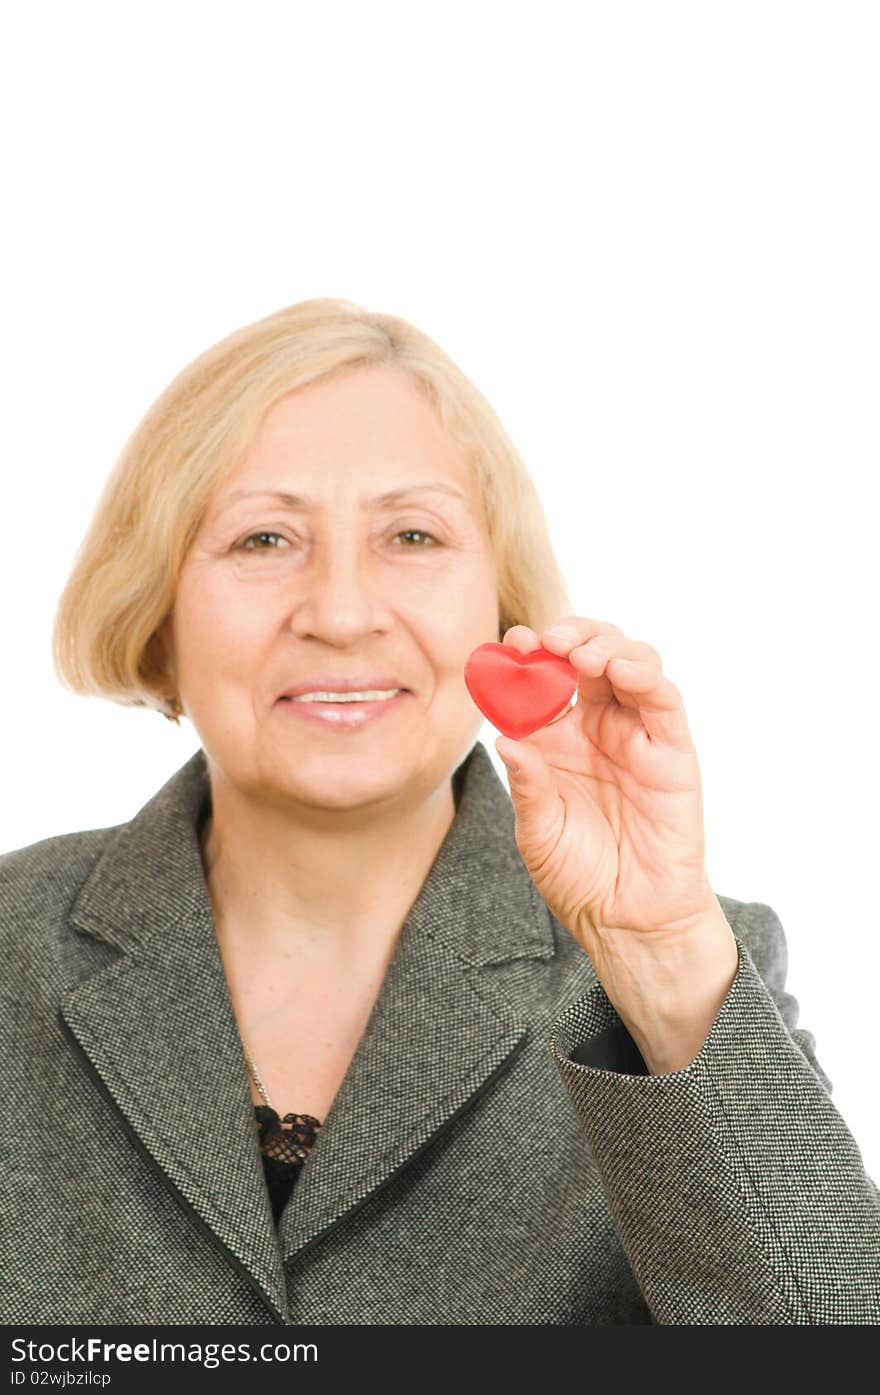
(532, 1069)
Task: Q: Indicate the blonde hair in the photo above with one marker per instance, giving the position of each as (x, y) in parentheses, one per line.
(122, 585)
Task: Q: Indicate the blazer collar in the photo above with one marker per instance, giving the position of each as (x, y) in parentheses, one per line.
(158, 1030)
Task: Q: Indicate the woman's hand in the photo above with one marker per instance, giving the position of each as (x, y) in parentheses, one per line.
(609, 822)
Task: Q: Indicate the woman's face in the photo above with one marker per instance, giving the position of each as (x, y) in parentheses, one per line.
(351, 544)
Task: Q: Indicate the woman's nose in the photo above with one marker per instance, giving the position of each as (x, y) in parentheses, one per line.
(342, 598)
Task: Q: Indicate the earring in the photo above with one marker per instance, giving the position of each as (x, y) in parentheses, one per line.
(173, 710)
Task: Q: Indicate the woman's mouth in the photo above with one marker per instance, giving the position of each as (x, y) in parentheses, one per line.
(344, 711)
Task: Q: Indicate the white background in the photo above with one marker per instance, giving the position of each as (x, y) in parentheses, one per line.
(649, 234)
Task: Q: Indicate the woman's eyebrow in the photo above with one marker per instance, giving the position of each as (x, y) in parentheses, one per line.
(305, 502)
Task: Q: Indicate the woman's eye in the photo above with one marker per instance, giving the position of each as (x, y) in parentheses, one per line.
(416, 533)
(246, 541)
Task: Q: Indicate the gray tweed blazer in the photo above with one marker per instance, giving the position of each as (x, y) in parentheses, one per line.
(496, 1154)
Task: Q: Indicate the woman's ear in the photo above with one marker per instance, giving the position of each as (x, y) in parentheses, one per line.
(161, 647)
(162, 652)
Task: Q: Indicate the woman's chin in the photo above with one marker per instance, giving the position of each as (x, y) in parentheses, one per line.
(336, 780)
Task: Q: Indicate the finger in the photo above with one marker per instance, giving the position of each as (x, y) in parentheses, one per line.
(540, 812)
(522, 638)
(563, 635)
(642, 686)
(590, 659)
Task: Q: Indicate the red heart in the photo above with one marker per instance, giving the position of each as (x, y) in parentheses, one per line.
(518, 692)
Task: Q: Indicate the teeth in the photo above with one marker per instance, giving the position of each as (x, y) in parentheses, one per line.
(368, 695)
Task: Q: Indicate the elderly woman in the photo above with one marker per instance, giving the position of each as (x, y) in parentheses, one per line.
(335, 1029)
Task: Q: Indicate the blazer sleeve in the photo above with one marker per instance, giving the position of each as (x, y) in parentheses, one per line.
(738, 1192)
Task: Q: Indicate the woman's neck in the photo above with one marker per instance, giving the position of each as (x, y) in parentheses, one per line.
(285, 890)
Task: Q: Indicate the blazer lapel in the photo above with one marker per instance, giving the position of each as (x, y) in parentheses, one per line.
(158, 1030)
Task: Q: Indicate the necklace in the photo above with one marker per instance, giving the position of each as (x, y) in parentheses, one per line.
(289, 1145)
(257, 1081)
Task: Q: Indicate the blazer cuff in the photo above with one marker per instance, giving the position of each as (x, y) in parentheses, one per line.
(736, 1188)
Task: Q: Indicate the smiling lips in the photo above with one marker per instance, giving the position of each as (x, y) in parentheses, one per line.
(376, 695)
(329, 687)
(343, 703)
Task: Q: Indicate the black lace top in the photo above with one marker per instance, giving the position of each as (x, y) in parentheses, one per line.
(285, 1144)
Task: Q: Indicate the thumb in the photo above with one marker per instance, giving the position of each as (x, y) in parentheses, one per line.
(532, 789)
